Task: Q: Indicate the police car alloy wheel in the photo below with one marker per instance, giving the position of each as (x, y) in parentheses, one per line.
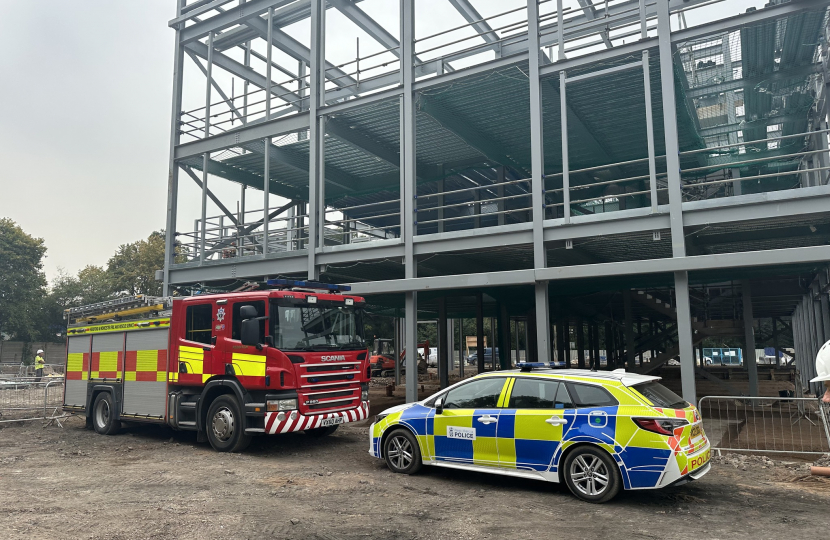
(401, 452)
(591, 474)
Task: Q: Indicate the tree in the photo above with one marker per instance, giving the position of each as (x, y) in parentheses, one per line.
(132, 270)
(92, 285)
(22, 282)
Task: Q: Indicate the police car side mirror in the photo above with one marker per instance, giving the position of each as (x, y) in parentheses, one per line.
(439, 406)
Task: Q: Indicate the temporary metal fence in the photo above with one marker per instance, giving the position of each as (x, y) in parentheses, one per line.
(27, 398)
(784, 425)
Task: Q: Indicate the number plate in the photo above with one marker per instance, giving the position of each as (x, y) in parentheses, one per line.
(696, 434)
(331, 421)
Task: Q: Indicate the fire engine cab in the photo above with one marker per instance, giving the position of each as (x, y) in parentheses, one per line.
(229, 366)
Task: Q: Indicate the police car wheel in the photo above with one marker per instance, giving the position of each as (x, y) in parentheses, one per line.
(103, 415)
(591, 474)
(401, 452)
(321, 431)
(225, 425)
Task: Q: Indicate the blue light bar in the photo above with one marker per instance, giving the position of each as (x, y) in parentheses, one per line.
(528, 366)
(285, 283)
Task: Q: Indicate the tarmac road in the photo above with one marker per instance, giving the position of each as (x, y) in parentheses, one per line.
(149, 482)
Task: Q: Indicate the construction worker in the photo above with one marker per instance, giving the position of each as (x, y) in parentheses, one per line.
(39, 363)
(823, 370)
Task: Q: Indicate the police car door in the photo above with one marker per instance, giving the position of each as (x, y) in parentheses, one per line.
(465, 431)
(531, 426)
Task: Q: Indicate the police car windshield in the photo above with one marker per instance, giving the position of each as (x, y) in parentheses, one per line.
(324, 326)
(661, 396)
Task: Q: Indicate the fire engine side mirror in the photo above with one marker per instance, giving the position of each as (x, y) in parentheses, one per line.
(250, 332)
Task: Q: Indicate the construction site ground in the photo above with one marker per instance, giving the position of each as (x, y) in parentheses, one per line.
(151, 482)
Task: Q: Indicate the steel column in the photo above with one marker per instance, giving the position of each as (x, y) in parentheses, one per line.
(750, 360)
(480, 345)
(670, 127)
(172, 167)
(411, 333)
(629, 330)
(580, 344)
(504, 338)
(443, 342)
(566, 173)
(652, 159)
(408, 165)
(206, 155)
(538, 183)
(684, 336)
(316, 177)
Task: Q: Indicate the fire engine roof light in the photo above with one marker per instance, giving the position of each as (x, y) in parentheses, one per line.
(285, 283)
(528, 366)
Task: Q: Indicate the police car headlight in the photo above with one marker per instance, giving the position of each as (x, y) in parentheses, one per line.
(281, 405)
(380, 417)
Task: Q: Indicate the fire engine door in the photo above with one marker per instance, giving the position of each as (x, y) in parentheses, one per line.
(195, 354)
(243, 360)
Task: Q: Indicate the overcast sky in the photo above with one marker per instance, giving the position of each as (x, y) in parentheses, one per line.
(86, 98)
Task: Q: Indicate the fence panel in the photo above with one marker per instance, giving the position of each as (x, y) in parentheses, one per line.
(785, 425)
(26, 398)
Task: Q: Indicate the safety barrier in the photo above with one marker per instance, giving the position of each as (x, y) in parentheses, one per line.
(784, 425)
(26, 398)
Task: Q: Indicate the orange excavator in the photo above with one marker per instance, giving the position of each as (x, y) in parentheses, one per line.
(382, 359)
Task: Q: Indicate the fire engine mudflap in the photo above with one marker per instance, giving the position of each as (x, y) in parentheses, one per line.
(288, 357)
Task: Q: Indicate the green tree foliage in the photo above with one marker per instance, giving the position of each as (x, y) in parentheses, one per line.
(133, 267)
(22, 282)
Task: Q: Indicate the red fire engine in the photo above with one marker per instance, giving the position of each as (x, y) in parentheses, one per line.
(228, 366)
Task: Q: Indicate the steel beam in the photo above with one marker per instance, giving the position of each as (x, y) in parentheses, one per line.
(750, 361)
(172, 167)
(408, 168)
(670, 128)
(231, 17)
(411, 347)
(591, 13)
(684, 336)
(443, 344)
(466, 9)
(316, 177)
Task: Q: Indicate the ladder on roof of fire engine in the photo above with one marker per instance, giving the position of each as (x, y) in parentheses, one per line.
(118, 308)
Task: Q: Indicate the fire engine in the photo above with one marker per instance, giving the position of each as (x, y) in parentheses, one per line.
(289, 357)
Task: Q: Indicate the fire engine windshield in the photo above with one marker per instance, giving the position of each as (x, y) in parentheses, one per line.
(323, 326)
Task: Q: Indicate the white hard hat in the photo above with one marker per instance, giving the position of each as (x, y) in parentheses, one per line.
(823, 364)
(40, 351)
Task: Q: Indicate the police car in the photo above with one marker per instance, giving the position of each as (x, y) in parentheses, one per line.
(598, 432)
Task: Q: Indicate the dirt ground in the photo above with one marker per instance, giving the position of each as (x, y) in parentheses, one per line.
(150, 482)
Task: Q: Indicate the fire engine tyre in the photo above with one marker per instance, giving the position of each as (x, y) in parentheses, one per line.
(321, 431)
(103, 415)
(401, 452)
(225, 425)
(591, 474)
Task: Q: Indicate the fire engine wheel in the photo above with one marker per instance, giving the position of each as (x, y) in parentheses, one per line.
(401, 452)
(225, 425)
(321, 431)
(592, 475)
(103, 415)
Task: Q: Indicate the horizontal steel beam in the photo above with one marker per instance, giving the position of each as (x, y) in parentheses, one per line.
(252, 133)
(815, 254)
(232, 17)
(274, 264)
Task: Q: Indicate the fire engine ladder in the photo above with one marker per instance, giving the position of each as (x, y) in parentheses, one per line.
(119, 308)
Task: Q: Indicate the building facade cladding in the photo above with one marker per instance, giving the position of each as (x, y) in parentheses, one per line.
(312, 111)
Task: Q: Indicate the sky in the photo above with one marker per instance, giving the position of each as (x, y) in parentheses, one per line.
(85, 123)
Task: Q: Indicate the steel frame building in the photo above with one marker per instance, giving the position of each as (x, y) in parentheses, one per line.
(527, 154)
